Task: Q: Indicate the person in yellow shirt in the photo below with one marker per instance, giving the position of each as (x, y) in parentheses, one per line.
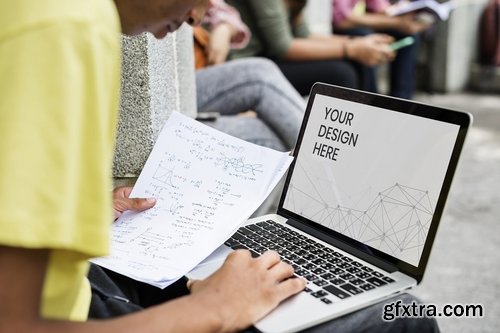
(59, 86)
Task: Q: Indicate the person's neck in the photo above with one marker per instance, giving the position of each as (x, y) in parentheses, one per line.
(126, 13)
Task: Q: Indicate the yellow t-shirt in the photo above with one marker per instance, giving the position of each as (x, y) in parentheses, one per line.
(59, 91)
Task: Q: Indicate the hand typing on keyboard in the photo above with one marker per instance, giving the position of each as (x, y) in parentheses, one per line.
(245, 289)
(332, 276)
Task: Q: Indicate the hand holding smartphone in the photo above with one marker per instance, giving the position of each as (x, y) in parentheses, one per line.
(407, 41)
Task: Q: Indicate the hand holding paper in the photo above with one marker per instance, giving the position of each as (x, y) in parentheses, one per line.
(206, 184)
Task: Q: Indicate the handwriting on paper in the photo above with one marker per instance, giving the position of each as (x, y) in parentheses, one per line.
(206, 183)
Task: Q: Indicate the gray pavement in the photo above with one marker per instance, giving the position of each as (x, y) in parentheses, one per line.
(464, 266)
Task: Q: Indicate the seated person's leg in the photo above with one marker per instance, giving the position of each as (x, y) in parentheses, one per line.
(403, 68)
(368, 75)
(252, 84)
(249, 129)
(303, 74)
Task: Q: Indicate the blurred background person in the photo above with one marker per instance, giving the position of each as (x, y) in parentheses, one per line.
(225, 90)
(366, 17)
(280, 33)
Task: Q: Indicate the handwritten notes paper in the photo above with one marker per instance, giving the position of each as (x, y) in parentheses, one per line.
(206, 184)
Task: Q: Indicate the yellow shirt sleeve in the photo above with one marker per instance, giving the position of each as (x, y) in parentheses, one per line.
(59, 92)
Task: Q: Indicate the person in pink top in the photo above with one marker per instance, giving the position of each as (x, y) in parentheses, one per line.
(348, 21)
(227, 31)
(226, 89)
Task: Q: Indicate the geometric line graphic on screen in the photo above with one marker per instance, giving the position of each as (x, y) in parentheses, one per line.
(395, 222)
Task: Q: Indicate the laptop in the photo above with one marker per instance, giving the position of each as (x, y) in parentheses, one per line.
(360, 206)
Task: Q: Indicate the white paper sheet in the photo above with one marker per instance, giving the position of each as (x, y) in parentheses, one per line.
(206, 183)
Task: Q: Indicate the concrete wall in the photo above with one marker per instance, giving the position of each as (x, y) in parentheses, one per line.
(454, 48)
(151, 90)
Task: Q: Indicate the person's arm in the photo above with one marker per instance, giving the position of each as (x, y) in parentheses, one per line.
(377, 21)
(219, 43)
(370, 50)
(375, 18)
(273, 26)
(227, 31)
(220, 12)
(316, 49)
(23, 270)
(240, 293)
(269, 23)
(407, 24)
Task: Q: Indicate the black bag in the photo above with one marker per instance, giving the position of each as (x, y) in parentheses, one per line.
(115, 295)
(489, 34)
(108, 300)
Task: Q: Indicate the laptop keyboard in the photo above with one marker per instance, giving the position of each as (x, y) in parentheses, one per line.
(327, 271)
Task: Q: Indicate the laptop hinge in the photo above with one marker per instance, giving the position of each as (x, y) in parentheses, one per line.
(343, 246)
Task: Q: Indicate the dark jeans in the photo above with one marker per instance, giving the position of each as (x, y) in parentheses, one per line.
(303, 74)
(114, 295)
(402, 69)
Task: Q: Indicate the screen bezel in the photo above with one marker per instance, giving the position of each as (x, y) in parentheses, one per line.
(459, 118)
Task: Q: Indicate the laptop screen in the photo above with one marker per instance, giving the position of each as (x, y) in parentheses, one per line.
(370, 173)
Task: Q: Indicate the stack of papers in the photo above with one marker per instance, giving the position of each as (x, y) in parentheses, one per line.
(207, 184)
(441, 10)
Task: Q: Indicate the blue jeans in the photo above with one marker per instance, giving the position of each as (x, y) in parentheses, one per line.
(402, 69)
(254, 84)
